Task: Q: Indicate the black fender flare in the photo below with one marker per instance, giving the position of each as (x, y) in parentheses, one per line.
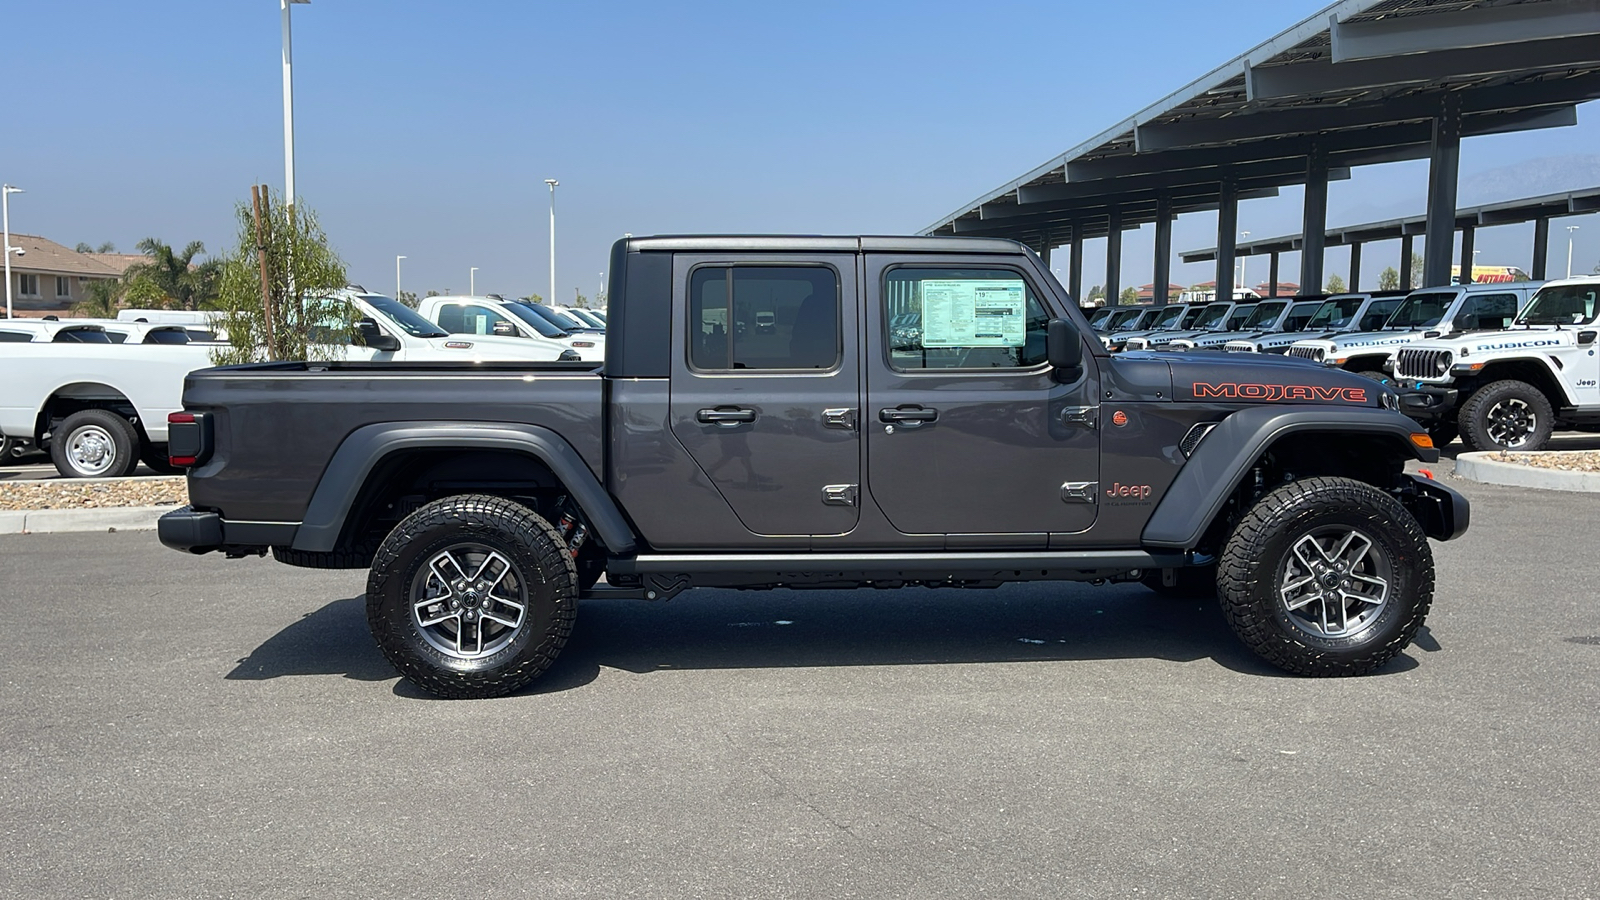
(365, 447)
(1223, 458)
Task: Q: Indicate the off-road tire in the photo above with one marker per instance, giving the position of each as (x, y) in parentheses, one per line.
(124, 444)
(154, 456)
(1476, 424)
(542, 566)
(1375, 375)
(1443, 431)
(1254, 567)
(1193, 583)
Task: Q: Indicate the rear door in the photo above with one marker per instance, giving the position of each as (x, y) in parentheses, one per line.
(766, 386)
(968, 432)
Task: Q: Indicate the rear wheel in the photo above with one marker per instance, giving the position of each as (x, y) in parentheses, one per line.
(94, 443)
(472, 596)
(154, 456)
(1507, 415)
(1327, 577)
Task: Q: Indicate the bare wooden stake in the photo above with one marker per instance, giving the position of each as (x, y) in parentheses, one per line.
(258, 200)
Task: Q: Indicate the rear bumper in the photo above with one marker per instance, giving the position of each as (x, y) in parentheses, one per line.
(197, 531)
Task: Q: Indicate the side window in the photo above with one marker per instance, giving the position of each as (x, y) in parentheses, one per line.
(1377, 314)
(451, 318)
(962, 319)
(15, 337)
(1487, 312)
(483, 320)
(764, 317)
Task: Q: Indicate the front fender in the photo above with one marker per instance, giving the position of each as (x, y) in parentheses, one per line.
(1224, 457)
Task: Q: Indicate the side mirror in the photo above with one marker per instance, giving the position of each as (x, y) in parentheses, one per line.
(1063, 344)
(505, 329)
(374, 337)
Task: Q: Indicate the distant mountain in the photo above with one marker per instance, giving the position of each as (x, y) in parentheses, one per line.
(1549, 175)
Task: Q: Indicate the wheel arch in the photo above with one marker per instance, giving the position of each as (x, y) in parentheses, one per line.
(73, 396)
(1369, 445)
(1539, 372)
(377, 462)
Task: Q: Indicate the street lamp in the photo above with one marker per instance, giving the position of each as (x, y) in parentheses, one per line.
(397, 277)
(5, 214)
(472, 282)
(288, 105)
(1243, 261)
(552, 182)
(1570, 230)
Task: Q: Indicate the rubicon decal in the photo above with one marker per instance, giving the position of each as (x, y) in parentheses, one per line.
(1278, 392)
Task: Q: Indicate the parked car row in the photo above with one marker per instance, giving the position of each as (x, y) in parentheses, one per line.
(95, 393)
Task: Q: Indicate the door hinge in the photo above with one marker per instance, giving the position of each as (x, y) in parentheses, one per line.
(1087, 416)
(839, 495)
(839, 418)
(1080, 491)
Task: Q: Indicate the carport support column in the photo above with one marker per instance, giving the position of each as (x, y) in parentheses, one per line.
(1468, 238)
(1046, 244)
(1227, 234)
(1314, 225)
(1113, 256)
(1355, 267)
(1163, 266)
(1272, 275)
(1541, 247)
(1075, 268)
(1408, 247)
(1443, 172)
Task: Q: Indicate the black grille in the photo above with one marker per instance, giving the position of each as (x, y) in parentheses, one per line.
(1314, 353)
(1411, 363)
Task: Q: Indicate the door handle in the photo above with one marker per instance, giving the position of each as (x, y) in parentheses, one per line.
(907, 416)
(725, 416)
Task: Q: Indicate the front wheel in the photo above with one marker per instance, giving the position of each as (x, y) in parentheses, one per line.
(1327, 577)
(95, 443)
(1507, 415)
(472, 596)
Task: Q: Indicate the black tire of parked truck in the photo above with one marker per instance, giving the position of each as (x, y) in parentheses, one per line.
(1327, 577)
(472, 596)
(1507, 415)
(94, 443)
(1443, 431)
(154, 456)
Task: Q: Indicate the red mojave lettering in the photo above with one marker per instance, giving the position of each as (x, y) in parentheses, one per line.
(1279, 392)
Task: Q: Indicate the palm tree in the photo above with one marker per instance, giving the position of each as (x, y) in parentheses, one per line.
(186, 284)
(101, 298)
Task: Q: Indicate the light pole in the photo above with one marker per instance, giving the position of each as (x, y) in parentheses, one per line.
(288, 105)
(1243, 260)
(397, 277)
(5, 213)
(472, 282)
(1570, 230)
(552, 182)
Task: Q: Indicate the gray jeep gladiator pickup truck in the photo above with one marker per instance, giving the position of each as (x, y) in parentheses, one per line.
(987, 437)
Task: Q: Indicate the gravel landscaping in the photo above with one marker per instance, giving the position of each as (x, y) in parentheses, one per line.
(64, 494)
(1564, 460)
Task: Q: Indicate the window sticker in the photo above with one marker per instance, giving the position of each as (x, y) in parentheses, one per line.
(972, 313)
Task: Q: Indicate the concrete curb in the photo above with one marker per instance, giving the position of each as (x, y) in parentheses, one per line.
(55, 521)
(1482, 466)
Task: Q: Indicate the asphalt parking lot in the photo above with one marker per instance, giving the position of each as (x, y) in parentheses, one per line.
(198, 727)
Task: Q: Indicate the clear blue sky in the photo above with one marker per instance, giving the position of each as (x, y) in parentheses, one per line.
(426, 129)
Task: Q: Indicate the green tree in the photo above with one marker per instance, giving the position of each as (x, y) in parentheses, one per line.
(106, 247)
(185, 283)
(580, 301)
(1389, 279)
(1416, 269)
(408, 298)
(102, 297)
(83, 248)
(1335, 284)
(1128, 297)
(1097, 293)
(532, 298)
(303, 272)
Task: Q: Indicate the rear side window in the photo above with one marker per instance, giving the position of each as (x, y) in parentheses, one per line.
(15, 337)
(1377, 314)
(764, 317)
(1486, 312)
(81, 337)
(166, 337)
(962, 319)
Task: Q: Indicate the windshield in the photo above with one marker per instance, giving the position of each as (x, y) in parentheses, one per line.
(1209, 316)
(563, 319)
(1568, 304)
(1239, 316)
(404, 317)
(1265, 314)
(586, 317)
(1100, 315)
(1335, 313)
(1421, 310)
(529, 313)
(1300, 316)
(1169, 317)
(1122, 318)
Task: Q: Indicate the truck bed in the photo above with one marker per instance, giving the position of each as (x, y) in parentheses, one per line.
(277, 425)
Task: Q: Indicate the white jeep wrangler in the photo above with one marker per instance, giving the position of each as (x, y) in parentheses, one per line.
(1508, 390)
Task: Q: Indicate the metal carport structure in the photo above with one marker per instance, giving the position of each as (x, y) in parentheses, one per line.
(1359, 83)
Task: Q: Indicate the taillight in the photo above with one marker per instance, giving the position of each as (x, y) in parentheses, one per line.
(188, 438)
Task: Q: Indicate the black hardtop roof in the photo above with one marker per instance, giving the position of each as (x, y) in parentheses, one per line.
(814, 243)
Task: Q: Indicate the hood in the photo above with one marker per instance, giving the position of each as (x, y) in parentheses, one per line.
(1534, 338)
(1252, 378)
(1363, 339)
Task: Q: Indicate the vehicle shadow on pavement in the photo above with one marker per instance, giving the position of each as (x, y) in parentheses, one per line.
(330, 641)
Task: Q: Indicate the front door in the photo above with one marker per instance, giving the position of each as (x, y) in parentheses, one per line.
(766, 386)
(969, 431)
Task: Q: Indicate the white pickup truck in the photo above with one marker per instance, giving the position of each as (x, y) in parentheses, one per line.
(509, 320)
(1508, 390)
(101, 407)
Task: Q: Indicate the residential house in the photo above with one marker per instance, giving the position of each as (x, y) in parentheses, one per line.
(48, 278)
